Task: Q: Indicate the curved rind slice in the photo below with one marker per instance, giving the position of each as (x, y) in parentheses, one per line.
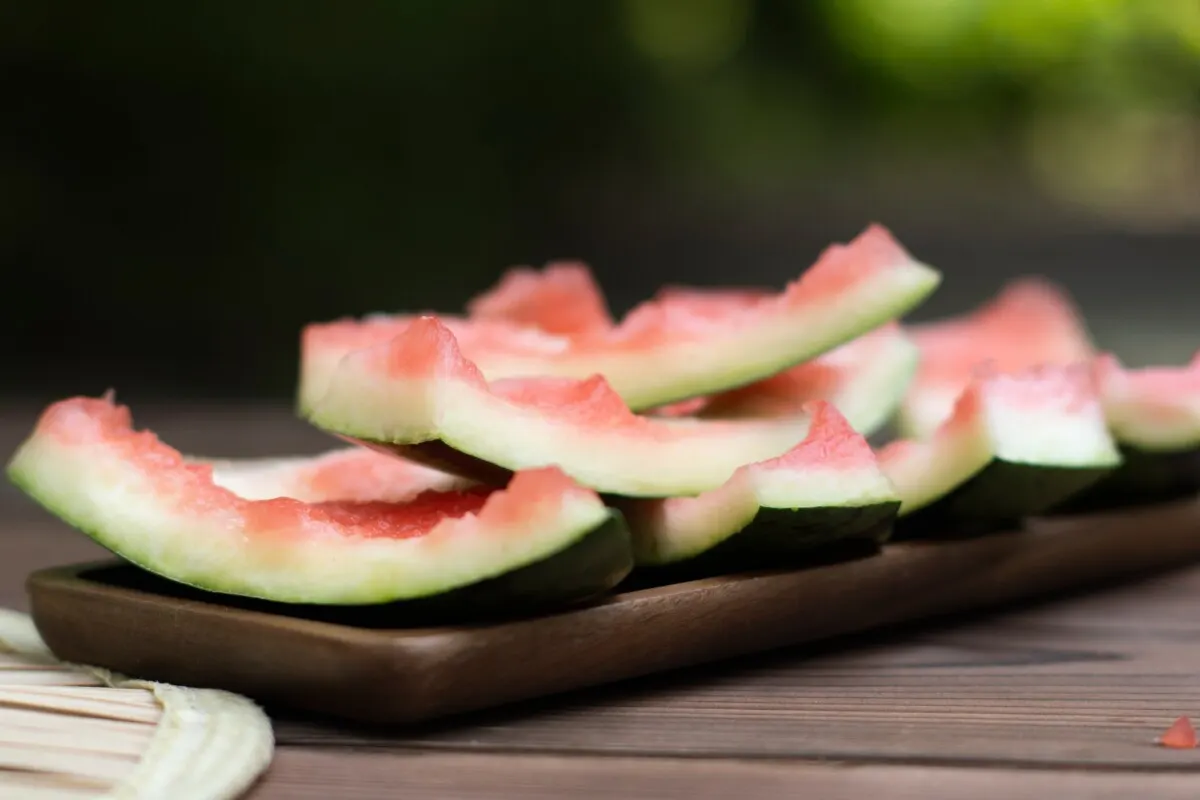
(1015, 445)
(207, 744)
(420, 389)
(1154, 414)
(662, 352)
(1031, 322)
(141, 499)
(562, 299)
(865, 379)
(828, 487)
(1154, 409)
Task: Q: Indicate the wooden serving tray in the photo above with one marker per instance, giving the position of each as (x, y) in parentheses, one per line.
(360, 665)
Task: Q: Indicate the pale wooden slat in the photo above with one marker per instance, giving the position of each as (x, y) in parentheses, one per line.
(91, 726)
(135, 697)
(60, 733)
(76, 705)
(29, 678)
(44, 786)
(32, 758)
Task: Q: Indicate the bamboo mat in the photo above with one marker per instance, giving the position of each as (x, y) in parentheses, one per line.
(70, 732)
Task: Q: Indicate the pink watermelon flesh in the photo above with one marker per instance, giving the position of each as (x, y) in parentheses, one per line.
(563, 299)
(665, 351)
(144, 501)
(828, 487)
(1031, 322)
(1015, 444)
(420, 389)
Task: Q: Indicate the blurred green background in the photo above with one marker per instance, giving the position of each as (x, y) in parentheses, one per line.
(183, 185)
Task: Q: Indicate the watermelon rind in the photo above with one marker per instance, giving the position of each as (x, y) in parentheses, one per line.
(418, 390)
(99, 493)
(873, 375)
(1000, 458)
(649, 374)
(770, 513)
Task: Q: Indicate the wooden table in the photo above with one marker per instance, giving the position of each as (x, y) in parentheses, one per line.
(1062, 699)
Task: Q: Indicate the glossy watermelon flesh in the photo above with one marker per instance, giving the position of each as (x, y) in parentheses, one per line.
(1015, 445)
(419, 389)
(144, 501)
(661, 351)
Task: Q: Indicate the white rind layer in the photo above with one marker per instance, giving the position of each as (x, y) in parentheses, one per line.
(139, 517)
(876, 390)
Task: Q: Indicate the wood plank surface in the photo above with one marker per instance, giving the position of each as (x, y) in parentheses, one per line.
(1060, 699)
(309, 774)
(1088, 681)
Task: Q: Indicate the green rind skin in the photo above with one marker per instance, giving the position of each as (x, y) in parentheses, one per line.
(1144, 478)
(584, 571)
(780, 538)
(589, 562)
(998, 496)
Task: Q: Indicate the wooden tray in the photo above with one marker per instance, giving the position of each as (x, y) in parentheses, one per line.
(359, 665)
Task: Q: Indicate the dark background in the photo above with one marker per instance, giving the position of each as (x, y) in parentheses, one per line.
(183, 185)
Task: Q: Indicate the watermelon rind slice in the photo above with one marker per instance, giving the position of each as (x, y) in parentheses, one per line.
(419, 390)
(1016, 444)
(866, 380)
(143, 501)
(1154, 415)
(650, 361)
(828, 488)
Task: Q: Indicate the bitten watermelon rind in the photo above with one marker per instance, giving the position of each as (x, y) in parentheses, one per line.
(1015, 446)
(98, 493)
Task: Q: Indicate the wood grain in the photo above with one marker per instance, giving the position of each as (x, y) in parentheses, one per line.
(305, 774)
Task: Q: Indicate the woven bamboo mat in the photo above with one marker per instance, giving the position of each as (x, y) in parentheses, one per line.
(74, 732)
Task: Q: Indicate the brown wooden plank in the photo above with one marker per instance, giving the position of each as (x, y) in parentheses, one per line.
(304, 774)
(1090, 680)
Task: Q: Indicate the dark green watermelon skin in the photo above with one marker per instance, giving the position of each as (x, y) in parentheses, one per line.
(998, 497)
(1145, 478)
(785, 538)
